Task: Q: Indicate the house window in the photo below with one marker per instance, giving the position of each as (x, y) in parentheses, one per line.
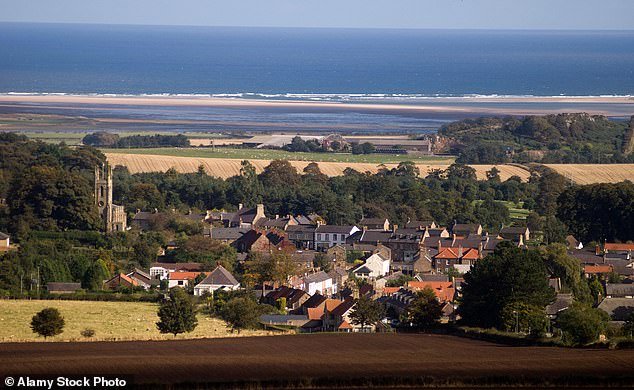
(327, 237)
(343, 237)
(180, 282)
(318, 237)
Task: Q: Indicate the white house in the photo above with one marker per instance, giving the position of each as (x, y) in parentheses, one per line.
(327, 236)
(219, 278)
(181, 278)
(162, 270)
(374, 267)
(319, 282)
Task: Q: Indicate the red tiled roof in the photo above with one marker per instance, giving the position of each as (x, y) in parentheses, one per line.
(183, 275)
(332, 304)
(315, 313)
(597, 269)
(472, 254)
(618, 247)
(448, 253)
(345, 325)
(390, 290)
(444, 290)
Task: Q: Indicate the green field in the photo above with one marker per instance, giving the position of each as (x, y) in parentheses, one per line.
(270, 154)
(110, 320)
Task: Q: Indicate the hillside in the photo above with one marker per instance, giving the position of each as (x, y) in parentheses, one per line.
(561, 138)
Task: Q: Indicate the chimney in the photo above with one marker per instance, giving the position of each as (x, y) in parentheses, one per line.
(394, 228)
(597, 250)
(365, 228)
(240, 205)
(259, 209)
(277, 216)
(460, 251)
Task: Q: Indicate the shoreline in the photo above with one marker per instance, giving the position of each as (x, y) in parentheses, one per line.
(389, 103)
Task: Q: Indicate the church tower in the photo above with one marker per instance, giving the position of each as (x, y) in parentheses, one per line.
(113, 216)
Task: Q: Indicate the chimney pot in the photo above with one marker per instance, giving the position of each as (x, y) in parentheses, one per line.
(240, 206)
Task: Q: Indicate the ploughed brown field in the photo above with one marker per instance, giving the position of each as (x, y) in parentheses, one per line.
(322, 360)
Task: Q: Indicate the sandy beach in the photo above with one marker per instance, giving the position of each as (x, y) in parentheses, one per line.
(422, 104)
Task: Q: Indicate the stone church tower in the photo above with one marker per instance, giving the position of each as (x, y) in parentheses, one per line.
(113, 216)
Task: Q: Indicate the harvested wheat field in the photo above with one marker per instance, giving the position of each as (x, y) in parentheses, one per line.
(323, 360)
(109, 320)
(595, 173)
(225, 168)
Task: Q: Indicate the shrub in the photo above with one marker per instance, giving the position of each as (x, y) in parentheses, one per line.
(88, 333)
(47, 322)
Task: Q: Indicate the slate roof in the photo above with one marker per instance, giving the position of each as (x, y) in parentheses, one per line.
(334, 229)
(419, 224)
(432, 278)
(62, 286)
(619, 289)
(619, 309)
(222, 233)
(220, 276)
(314, 301)
(301, 228)
(342, 308)
(513, 230)
(363, 270)
(465, 228)
(562, 302)
(316, 277)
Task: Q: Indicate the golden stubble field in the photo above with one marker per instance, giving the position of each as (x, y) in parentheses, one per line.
(225, 168)
(112, 321)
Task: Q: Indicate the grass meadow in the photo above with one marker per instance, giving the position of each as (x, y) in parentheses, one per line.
(111, 321)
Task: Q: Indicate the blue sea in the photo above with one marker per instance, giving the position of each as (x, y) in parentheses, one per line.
(312, 63)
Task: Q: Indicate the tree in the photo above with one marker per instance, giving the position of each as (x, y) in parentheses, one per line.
(241, 313)
(520, 317)
(582, 324)
(425, 310)
(366, 312)
(628, 326)
(48, 322)
(508, 275)
(177, 313)
(322, 261)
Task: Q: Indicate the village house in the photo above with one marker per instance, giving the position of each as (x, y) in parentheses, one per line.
(278, 223)
(303, 236)
(599, 270)
(619, 290)
(294, 297)
(619, 309)
(318, 282)
(374, 267)
(382, 224)
(142, 278)
(450, 257)
(218, 279)
(181, 278)
(225, 235)
(244, 217)
(338, 318)
(120, 281)
(162, 270)
(516, 233)
(444, 291)
(465, 229)
(420, 225)
(327, 236)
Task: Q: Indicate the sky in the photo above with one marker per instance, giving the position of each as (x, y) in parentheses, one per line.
(452, 14)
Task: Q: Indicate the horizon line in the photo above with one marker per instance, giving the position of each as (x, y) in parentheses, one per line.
(325, 27)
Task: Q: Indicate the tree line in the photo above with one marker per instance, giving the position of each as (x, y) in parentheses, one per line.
(109, 140)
